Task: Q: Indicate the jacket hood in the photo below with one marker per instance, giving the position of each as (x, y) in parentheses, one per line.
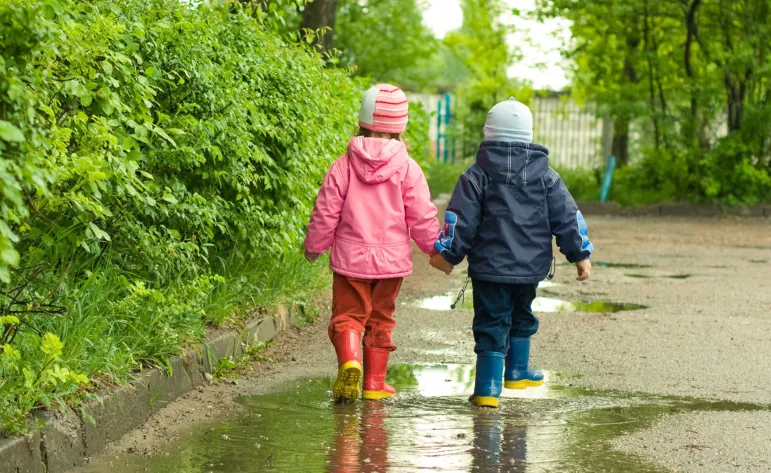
(513, 163)
(375, 160)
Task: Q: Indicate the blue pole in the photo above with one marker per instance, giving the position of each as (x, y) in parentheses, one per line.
(608, 180)
(438, 128)
(447, 111)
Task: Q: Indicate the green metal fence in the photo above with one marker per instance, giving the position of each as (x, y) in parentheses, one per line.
(575, 137)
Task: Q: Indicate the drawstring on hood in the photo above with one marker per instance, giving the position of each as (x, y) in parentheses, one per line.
(375, 160)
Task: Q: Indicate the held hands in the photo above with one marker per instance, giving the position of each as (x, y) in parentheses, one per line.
(584, 270)
(438, 262)
(311, 257)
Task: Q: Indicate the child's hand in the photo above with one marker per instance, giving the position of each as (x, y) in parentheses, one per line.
(584, 270)
(311, 257)
(438, 262)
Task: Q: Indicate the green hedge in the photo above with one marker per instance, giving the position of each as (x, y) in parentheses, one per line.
(158, 164)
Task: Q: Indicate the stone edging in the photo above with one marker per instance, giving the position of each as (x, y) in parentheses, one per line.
(67, 440)
(675, 210)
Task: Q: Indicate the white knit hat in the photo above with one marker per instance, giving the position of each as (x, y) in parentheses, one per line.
(509, 121)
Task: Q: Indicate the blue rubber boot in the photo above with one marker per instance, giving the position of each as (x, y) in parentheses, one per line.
(518, 375)
(489, 374)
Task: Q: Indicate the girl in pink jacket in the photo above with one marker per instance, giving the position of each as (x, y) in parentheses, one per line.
(373, 199)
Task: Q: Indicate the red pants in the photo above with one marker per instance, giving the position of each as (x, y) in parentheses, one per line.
(365, 306)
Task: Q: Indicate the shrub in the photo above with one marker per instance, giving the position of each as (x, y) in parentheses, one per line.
(417, 134)
(159, 161)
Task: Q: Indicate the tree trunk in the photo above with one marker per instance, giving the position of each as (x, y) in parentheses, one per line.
(691, 24)
(321, 14)
(620, 146)
(651, 86)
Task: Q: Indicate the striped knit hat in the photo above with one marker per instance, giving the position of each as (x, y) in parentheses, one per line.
(384, 109)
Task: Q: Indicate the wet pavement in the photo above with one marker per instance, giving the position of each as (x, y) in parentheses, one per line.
(429, 426)
(681, 385)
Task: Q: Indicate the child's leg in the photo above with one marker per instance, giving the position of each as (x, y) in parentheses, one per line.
(377, 341)
(351, 305)
(381, 321)
(492, 323)
(524, 324)
(492, 316)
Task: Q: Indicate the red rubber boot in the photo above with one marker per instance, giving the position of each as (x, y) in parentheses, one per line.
(375, 367)
(348, 348)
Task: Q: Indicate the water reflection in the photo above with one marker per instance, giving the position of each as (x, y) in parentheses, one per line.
(361, 439)
(500, 444)
(540, 304)
(429, 426)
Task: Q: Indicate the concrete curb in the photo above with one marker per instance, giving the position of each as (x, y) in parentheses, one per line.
(66, 440)
(675, 210)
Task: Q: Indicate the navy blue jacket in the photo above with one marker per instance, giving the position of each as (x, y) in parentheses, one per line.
(504, 211)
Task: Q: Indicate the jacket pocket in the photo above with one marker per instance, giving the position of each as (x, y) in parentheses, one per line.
(371, 260)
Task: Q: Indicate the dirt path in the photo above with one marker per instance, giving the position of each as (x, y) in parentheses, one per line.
(705, 334)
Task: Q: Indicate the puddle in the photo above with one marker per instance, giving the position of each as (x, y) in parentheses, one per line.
(646, 276)
(603, 264)
(621, 265)
(429, 426)
(540, 304)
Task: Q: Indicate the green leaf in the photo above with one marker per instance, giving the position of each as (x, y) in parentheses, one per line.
(9, 256)
(9, 320)
(9, 132)
(98, 232)
(165, 136)
(51, 345)
(170, 199)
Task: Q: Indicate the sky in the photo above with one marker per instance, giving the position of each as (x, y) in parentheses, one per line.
(541, 64)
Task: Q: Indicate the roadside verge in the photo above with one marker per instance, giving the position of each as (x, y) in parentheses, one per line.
(63, 441)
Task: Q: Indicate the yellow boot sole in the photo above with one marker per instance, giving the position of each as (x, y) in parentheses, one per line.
(377, 395)
(522, 384)
(347, 384)
(485, 401)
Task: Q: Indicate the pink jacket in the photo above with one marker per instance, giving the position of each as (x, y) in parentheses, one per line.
(374, 198)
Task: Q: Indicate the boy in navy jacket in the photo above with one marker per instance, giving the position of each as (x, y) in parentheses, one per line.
(502, 215)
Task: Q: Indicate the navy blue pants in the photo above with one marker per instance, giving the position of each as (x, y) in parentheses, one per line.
(502, 311)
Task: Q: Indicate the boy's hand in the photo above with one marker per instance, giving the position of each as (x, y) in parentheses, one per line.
(584, 270)
(311, 257)
(438, 262)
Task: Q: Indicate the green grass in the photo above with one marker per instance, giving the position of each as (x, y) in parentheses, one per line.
(115, 326)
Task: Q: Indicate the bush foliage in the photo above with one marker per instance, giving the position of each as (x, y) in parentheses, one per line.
(158, 164)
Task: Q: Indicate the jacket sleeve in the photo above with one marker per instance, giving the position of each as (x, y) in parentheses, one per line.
(566, 221)
(420, 212)
(326, 213)
(461, 221)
